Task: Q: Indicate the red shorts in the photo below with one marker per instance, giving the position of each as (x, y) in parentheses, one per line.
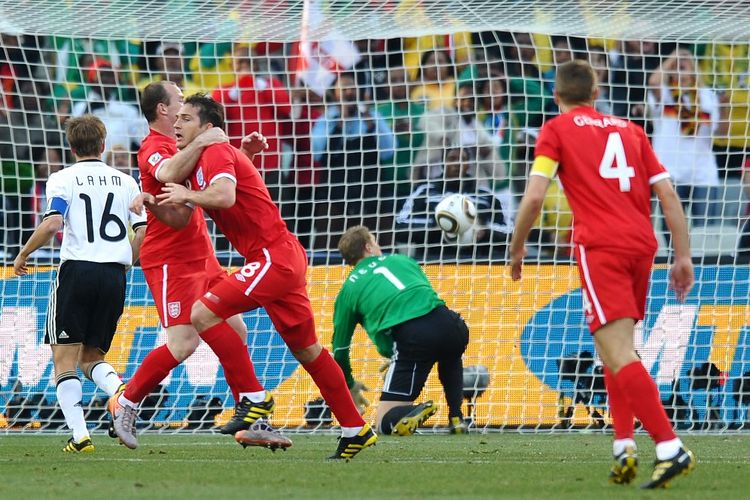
(614, 285)
(274, 279)
(176, 287)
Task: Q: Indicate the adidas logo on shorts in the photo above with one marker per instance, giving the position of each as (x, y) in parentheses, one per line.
(63, 335)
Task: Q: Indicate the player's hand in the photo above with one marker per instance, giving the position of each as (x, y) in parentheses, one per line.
(213, 135)
(359, 399)
(384, 367)
(253, 144)
(173, 193)
(681, 277)
(143, 199)
(19, 265)
(516, 263)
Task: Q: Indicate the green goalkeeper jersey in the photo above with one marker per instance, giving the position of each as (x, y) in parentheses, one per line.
(380, 293)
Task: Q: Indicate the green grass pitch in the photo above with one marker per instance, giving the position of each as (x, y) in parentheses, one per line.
(494, 465)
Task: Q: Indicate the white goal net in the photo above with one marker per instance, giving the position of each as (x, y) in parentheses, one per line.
(375, 110)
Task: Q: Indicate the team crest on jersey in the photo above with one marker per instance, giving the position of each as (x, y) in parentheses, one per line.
(174, 309)
(154, 159)
(200, 178)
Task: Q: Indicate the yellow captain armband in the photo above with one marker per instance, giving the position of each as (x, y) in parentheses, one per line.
(544, 166)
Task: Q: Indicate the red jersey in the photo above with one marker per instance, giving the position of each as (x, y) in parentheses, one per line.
(163, 244)
(606, 167)
(254, 221)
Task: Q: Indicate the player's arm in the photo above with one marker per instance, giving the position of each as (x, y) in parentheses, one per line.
(344, 323)
(221, 193)
(252, 144)
(49, 227)
(137, 241)
(179, 167)
(542, 172)
(173, 215)
(681, 276)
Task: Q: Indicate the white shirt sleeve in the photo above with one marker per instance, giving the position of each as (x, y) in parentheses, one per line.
(58, 195)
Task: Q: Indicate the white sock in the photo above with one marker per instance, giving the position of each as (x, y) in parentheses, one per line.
(349, 432)
(619, 445)
(69, 394)
(126, 402)
(255, 397)
(668, 449)
(106, 378)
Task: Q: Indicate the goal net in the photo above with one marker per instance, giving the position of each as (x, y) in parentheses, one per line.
(374, 111)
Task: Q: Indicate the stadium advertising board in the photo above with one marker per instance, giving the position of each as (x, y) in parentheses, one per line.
(531, 336)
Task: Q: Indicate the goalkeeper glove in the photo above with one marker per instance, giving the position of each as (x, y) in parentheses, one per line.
(359, 399)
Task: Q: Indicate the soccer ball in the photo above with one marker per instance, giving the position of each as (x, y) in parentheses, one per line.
(456, 214)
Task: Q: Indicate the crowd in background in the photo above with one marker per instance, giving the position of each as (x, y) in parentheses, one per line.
(381, 140)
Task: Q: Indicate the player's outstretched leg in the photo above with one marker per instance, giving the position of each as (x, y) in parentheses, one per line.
(625, 467)
(350, 446)
(123, 420)
(246, 413)
(408, 425)
(666, 470)
(261, 433)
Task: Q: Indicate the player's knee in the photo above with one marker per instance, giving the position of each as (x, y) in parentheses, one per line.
(302, 341)
(238, 325)
(308, 354)
(181, 348)
(202, 317)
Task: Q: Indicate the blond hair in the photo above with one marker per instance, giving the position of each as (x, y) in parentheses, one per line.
(353, 242)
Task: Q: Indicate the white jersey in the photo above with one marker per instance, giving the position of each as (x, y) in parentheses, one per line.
(93, 199)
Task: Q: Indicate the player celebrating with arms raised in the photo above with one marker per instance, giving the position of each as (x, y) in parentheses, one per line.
(230, 189)
(609, 170)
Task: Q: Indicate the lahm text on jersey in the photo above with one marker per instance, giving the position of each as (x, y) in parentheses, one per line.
(98, 180)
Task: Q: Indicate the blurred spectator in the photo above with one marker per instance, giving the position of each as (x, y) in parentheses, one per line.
(462, 128)
(125, 125)
(168, 64)
(21, 129)
(600, 62)
(121, 159)
(630, 66)
(404, 117)
(497, 120)
(212, 66)
(685, 117)
(416, 225)
(257, 103)
(457, 45)
(435, 85)
(19, 55)
(727, 69)
(529, 97)
(351, 142)
(561, 53)
(302, 193)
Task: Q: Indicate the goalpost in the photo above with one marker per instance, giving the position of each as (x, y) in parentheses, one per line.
(429, 88)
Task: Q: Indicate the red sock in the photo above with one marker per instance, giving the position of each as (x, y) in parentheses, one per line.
(330, 380)
(622, 415)
(641, 392)
(155, 366)
(233, 356)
